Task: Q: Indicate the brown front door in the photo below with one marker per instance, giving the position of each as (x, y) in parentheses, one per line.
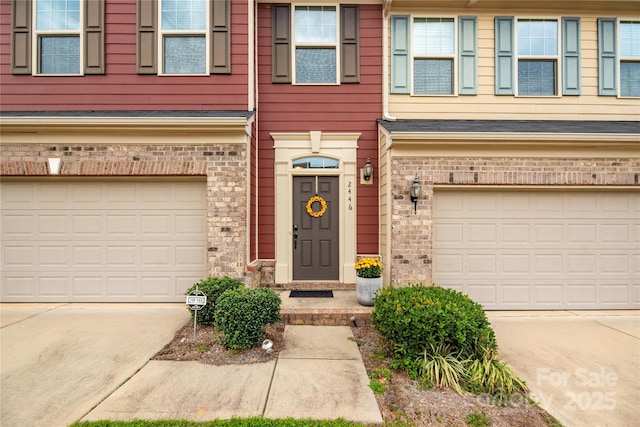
(315, 242)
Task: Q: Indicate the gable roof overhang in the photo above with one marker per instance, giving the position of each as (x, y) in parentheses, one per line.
(534, 138)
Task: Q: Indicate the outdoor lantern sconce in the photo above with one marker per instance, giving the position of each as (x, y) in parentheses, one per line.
(366, 173)
(414, 191)
(54, 165)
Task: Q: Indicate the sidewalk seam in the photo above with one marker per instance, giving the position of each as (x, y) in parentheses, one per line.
(273, 375)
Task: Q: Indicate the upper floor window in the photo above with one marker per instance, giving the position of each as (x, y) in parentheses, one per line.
(57, 37)
(537, 57)
(629, 58)
(314, 44)
(434, 55)
(184, 36)
(58, 29)
(537, 61)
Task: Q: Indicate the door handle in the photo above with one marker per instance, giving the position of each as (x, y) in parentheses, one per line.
(295, 236)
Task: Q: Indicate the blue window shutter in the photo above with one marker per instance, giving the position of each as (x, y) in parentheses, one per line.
(468, 55)
(400, 54)
(504, 61)
(607, 59)
(571, 56)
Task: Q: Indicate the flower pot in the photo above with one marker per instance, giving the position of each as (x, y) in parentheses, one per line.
(366, 289)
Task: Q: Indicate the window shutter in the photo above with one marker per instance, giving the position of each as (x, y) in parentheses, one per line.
(607, 59)
(94, 37)
(504, 61)
(147, 39)
(281, 43)
(400, 54)
(468, 51)
(21, 37)
(349, 44)
(220, 36)
(571, 56)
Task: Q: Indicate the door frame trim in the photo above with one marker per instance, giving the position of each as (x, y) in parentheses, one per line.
(290, 146)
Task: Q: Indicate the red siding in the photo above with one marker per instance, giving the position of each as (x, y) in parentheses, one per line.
(343, 108)
(121, 88)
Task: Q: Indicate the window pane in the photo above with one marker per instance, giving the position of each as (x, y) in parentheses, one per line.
(537, 37)
(433, 76)
(433, 36)
(58, 15)
(315, 65)
(315, 24)
(316, 163)
(630, 39)
(184, 55)
(184, 14)
(536, 77)
(629, 78)
(60, 55)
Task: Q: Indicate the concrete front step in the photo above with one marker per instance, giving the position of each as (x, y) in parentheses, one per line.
(315, 285)
(336, 311)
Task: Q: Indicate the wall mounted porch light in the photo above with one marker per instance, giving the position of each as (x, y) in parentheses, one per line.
(366, 173)
(415, 191)
(54, 165)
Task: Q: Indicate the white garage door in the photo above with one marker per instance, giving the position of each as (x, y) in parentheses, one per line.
(539, 249)
(102, 240)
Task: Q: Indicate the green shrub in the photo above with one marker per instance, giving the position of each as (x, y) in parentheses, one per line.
(241, 316)
(415, 318)
(212, 287)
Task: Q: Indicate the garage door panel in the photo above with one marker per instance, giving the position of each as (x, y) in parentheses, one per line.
(52, 226)
(53, 286)
(17, 225)
(85, 287)
(19, 256)
(539, 250)
(102, 241)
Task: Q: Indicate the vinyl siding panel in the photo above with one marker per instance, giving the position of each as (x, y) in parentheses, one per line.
(143, 92)
(587, 106)
(350, 107)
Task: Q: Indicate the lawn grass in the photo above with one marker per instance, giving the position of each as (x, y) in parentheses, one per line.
(233, 422)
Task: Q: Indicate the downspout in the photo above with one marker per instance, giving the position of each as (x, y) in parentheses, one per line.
(254, 13)
(386, 23)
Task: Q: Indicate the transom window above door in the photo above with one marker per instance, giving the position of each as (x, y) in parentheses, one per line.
(316, 163)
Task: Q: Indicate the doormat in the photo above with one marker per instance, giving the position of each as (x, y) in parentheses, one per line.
(297, 293)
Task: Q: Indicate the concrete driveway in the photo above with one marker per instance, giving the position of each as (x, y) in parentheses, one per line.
(58, 361)
(583, 367)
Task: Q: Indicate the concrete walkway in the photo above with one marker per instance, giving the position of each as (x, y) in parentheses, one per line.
(320, 375)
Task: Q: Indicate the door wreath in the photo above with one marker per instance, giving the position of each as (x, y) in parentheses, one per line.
(323, 206)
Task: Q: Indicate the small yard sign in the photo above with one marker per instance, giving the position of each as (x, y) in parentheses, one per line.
(196, 300)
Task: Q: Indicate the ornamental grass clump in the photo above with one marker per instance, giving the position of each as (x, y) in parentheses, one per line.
(369, 268)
